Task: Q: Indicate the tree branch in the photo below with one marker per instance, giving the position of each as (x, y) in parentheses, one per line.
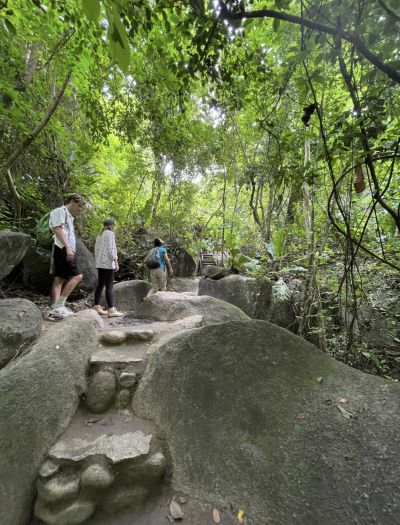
(304, 22)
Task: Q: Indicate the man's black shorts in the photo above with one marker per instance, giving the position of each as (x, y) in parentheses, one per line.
(63, 268)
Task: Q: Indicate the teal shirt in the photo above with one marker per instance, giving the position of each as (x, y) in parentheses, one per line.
(162, 251)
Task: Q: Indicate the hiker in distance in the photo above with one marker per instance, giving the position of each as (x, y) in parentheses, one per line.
(157, 261)
(106, 262)
(64, 268)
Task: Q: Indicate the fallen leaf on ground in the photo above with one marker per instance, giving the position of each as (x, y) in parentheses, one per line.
(170, 518)
(182, 500)
(21, 314)
(319, 379)
(300, 415)
(343, 400)
(216, 516)
(240, 516)
(175, 510)
(91, 421)
(345, 413)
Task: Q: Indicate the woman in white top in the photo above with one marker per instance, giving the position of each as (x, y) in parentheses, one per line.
(106, 261)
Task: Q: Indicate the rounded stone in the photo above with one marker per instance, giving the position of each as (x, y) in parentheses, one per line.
(115, 337)
(140, 335)
(123, 398)
(48, 468)
(75, 514)
(101, 391)
(58, 489)
(97, 475)
(127, 379)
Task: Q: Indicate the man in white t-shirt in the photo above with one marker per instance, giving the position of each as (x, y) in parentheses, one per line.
(66, 274)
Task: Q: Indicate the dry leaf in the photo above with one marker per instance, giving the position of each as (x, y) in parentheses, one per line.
(359, 183)
(182, 500)
(21, 314)
(319, 379)
(300, 415)
(343, 400)
(216, 516)
(345, 413)
(240, 516)
(175, 510)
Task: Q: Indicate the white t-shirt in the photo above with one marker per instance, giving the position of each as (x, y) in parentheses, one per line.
(105, 250)
(62, 217)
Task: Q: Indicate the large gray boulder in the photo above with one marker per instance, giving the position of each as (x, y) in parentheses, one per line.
(36, 268)
(39, 394)
(185, 284)
(171, 306)
(20, 324)
(235, 289)
(128, 294)
(255, 416)
(183, 263)
(258, 298)
(85, 264)
(13, 247)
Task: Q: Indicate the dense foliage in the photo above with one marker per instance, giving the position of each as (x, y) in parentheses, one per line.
(274, 123)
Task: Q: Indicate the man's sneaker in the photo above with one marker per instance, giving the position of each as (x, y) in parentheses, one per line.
(113, 312)
(56, 314)
(100, 310)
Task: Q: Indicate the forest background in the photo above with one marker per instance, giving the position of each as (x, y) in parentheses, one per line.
(219, 124)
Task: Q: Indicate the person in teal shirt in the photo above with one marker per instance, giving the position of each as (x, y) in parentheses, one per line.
(158, 276)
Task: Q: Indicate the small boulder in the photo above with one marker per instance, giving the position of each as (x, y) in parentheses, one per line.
(127, 379)
(57, 489)
(115, 337)
(122, 398)
(140, 335)
(128, 294)
(101, 392)
(97, 475)
(74, 514)
(92, 316)
(20, 325)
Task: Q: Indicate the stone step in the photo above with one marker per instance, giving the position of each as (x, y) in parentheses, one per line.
(100, 464)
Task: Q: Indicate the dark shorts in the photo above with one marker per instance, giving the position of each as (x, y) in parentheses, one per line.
(63, 268)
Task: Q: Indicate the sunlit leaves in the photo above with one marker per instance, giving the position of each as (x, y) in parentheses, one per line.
(91, 8)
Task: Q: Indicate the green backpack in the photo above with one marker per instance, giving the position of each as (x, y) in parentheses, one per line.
(44, 235)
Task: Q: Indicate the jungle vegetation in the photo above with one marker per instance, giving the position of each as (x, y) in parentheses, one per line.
(222, 123)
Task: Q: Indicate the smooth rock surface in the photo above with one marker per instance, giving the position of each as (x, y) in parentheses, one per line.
(20, 325)
(128, 294)
(13, 247)
(114, 337)
(92, 316)
(39, 394)
(114, 447)
(101, 391)
(171, 306)
(248, 420)
(74, 514)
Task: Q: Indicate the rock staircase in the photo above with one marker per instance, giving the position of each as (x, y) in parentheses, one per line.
(108, 459)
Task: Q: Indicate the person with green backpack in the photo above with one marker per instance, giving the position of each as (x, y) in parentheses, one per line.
(65, 271)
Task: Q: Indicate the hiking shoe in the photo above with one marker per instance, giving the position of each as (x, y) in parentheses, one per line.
(56, 314)
(100, 310)
(113, 312)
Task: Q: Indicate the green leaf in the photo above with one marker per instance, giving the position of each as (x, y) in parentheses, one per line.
(91, 8)
(275, 24)
(8, 26)
(119, 43)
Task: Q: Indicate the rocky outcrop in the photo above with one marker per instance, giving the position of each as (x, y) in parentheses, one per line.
(235, 289)
(36, 268)
(258, 298)
(39, 394)
(276, 427)
(185, 284)
(13, 247)
(20, 324)
(85, 264)
(183, 263)
(128, 294)
(171, 306)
